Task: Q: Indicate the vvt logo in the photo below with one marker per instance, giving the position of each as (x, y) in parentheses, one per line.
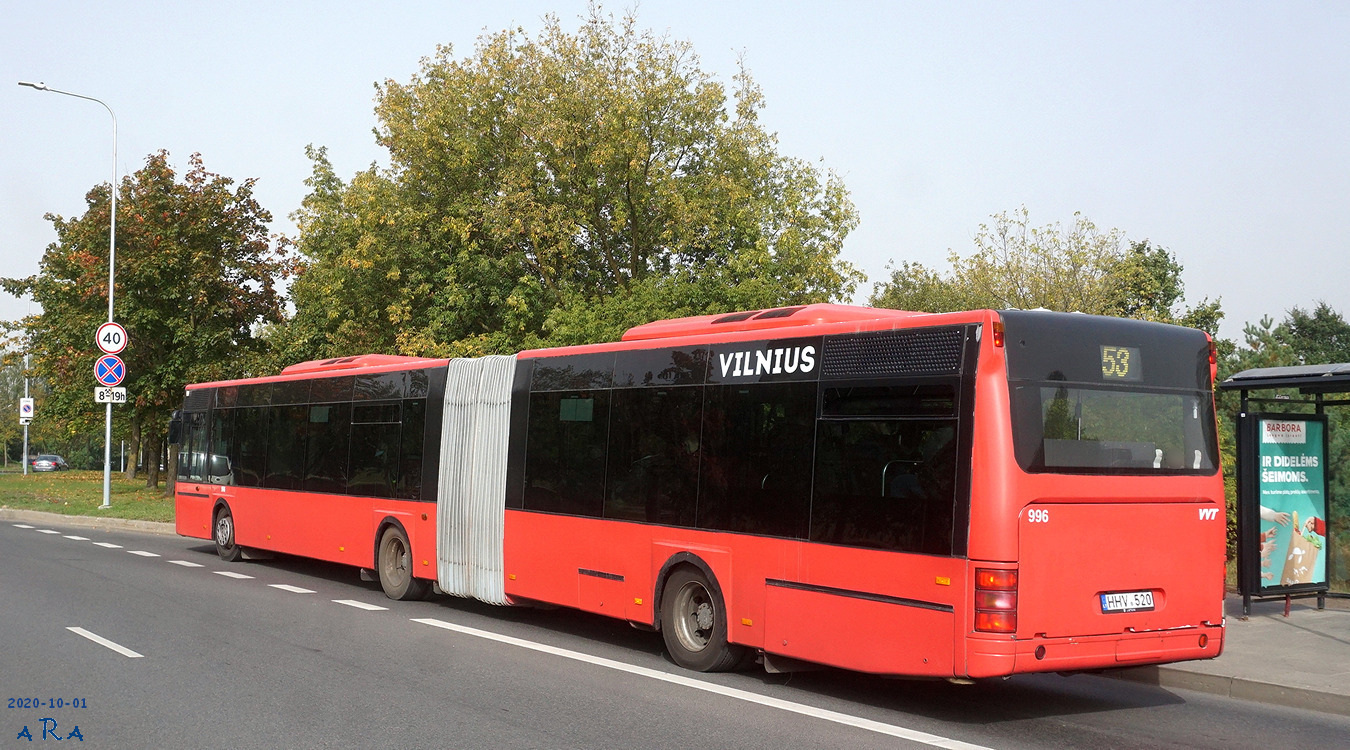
(1209, 514)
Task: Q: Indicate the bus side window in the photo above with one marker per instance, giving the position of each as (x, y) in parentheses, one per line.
(565, 454)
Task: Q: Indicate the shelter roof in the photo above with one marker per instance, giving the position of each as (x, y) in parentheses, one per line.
(1330, 378)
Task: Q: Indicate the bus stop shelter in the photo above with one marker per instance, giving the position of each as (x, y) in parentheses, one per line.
(1289, 539)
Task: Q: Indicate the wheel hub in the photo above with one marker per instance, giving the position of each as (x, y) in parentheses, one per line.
(704, 616)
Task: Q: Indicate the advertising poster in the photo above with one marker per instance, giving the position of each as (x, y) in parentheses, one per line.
(1291, 482)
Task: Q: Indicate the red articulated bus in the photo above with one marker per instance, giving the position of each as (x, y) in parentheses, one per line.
(957, 495)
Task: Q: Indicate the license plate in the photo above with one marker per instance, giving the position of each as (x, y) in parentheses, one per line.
(1127, 601)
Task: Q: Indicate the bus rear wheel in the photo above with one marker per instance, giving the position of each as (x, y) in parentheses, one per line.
(226, 547)
(694, 624)
(396, 568)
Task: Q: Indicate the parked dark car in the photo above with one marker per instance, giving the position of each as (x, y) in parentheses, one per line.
(49, 462)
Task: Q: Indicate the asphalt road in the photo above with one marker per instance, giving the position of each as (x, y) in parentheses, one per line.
(169, 651)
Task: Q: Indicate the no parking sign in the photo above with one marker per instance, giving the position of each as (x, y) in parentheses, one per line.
(109, 370)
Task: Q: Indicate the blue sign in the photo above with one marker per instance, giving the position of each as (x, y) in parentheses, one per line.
(109, 370)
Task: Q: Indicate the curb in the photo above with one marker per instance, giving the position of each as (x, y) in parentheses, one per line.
(1237, 687)
(102, 523)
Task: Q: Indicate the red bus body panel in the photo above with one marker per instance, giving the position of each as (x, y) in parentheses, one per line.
(865, 610)
(335, 528)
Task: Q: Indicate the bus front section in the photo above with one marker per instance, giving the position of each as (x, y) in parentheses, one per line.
(1097, 535)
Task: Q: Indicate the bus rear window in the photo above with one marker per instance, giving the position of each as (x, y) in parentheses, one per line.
(1078, 429)
(1100, 395)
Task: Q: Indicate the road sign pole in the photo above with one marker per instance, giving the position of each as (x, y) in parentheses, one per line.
(25, 427)
(107, 459)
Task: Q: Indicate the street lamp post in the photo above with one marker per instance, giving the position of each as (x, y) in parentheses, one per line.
(112, 259)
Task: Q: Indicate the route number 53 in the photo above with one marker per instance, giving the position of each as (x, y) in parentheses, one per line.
(1120, 363)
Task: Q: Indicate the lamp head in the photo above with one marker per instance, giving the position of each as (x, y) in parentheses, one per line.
(40, 86)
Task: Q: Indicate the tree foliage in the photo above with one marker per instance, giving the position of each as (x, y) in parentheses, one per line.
(196, 273)
(1078, 268)
(557, 189)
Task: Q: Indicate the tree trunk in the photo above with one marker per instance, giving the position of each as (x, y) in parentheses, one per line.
(152, 443)
(170, 470)
(134, 449)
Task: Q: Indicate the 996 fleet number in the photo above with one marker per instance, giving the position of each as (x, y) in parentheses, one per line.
(48, 703)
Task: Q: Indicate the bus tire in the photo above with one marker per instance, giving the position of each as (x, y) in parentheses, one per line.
(694, 623)
(223, 533)
(395, 567)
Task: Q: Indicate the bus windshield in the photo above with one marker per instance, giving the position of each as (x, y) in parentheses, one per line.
(1109, 396)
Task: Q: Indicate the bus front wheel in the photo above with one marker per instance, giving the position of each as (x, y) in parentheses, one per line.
(694, 624)
(226, 547)
(395, 567)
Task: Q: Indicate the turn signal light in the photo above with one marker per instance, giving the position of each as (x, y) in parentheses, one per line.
(996, 580)
(998, 334)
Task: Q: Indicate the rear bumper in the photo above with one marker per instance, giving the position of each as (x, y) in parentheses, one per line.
(991, 658)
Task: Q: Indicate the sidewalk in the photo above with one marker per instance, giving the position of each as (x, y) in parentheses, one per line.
(1302, 661)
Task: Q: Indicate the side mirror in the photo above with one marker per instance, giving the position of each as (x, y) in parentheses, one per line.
(176, 428)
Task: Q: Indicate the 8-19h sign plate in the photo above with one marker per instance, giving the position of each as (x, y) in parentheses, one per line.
(110, 395)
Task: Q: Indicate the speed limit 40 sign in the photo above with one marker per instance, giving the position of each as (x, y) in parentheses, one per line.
(111, 338)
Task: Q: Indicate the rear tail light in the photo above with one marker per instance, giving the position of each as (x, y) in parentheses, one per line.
(995, 600)
(998, 333)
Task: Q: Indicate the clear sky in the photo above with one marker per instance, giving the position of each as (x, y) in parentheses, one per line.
(1220, 131)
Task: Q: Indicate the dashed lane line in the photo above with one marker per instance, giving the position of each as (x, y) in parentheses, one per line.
(361, 605)
(290, 588)
(100, 640)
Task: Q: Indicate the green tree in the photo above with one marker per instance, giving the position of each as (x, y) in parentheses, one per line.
(1318, 337)
(1078, 268)
(554, 190)
(196, 274)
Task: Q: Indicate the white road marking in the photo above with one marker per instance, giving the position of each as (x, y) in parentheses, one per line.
(290, 588)
(22, 526)
(230, 574)
(361, 605)
(48, 531)
(100, 640)
(798, 708)
(185, 563)
(142, 553)
(108, 545)
(77, 538)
